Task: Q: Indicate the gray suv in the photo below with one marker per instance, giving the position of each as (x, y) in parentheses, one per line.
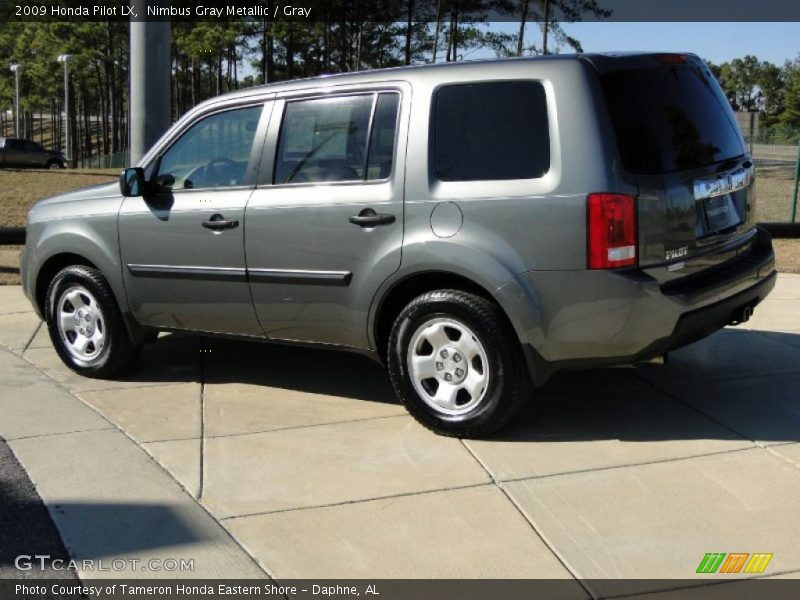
(474, 226)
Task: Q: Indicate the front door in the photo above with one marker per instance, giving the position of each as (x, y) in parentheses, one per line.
(325, 225)
(183, 247)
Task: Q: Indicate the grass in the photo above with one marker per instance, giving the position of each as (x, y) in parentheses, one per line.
(20, 189)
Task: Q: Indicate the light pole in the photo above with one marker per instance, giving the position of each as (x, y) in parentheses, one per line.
(17, 69)
(150, 81)
(65, 58)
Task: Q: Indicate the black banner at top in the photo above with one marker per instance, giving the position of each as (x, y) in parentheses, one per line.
(305, 11)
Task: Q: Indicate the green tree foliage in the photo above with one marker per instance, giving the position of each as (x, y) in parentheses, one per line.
(753, 85)
(790, 116)
(214, 57)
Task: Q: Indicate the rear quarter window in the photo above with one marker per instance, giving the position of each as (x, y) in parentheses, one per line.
(490, 131)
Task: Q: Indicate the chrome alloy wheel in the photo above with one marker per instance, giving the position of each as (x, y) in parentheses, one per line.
(81, 324)
(448, 366)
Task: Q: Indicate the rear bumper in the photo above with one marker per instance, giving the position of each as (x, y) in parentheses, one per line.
(581, 319)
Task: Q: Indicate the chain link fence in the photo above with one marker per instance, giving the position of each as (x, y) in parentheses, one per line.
(119, 160)
(776, 152)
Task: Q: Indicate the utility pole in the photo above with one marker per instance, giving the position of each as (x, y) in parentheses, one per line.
(65, 58)
(17, 69)
(149, 81)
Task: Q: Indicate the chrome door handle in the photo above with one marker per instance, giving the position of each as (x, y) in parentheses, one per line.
(369, 218)
(218, 223)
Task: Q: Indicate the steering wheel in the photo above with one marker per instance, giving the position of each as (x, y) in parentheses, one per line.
(214, 173)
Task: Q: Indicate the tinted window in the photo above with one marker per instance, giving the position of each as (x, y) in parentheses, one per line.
(214, 152)
(324, 140)
(670, 118)
(15, 144)
(33, 147)
(381, 146)
(491, 131)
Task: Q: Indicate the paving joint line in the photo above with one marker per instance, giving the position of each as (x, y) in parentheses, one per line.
(114, 426)
(127, 387)
(561, 559)
(356, 501)
(44, 435)
(734, 377)
(202, 465)
(782, 457)
(202, 419)
(33, 336)
(699, 584)
(697, 410)
(763, 334)
(626, 466)
(290, 428)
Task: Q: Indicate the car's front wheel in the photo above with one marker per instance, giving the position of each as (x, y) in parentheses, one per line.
(54, 164)
(86, 325)
(456, 364)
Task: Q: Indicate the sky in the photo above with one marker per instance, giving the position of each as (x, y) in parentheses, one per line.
(717, 42)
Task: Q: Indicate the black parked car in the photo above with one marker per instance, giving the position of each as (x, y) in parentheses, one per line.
(16, 152)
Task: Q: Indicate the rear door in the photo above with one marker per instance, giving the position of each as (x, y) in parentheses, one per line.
(35, 155)
(678, 137)
(325, 225)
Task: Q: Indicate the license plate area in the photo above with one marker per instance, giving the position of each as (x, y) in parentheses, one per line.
(720, 213)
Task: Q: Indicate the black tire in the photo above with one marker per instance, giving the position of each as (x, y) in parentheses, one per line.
(507, 374)
(117, 353)
(54, 164)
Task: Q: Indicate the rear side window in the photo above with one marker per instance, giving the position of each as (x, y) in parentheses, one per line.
(346, 138)
(670, 118)
(491, 131)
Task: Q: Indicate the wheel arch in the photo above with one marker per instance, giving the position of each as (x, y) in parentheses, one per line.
(405, 289)
(50, 268)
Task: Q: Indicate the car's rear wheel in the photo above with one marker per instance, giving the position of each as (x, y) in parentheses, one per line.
(456, 364)
(86, 325)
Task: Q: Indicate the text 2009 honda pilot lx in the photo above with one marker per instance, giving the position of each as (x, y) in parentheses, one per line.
(478, 226)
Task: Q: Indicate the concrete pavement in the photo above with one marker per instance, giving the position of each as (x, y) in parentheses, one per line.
(289, 462)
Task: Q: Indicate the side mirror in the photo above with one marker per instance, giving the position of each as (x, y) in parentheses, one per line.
(131, 182)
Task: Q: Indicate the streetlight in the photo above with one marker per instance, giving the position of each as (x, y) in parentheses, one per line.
(65, 58)
(16, 68)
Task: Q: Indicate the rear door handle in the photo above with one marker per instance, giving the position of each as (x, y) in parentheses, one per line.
(369, 218)
(218, 223)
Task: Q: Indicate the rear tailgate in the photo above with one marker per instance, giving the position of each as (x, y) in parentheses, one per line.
(678, 138)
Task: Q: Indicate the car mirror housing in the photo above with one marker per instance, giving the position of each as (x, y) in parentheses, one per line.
(131, 182)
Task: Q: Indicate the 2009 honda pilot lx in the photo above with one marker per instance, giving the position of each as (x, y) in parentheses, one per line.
(477, 226)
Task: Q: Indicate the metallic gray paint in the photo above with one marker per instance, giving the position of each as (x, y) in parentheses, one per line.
(297, 270)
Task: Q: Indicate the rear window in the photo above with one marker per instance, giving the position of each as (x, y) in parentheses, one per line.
(670, 118)
(491, 131)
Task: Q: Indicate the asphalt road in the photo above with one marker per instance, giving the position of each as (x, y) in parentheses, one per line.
(25, 524)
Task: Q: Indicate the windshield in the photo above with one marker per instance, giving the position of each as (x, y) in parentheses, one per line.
(670, 118)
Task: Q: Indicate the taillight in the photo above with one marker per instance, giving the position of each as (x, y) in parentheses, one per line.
(611, 227)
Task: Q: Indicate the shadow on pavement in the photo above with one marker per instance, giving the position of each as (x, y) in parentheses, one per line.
(314, 370)
(25, 525)
(110, 530)
(737, 384)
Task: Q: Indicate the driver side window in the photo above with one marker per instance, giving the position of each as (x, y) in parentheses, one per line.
(214, 152)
